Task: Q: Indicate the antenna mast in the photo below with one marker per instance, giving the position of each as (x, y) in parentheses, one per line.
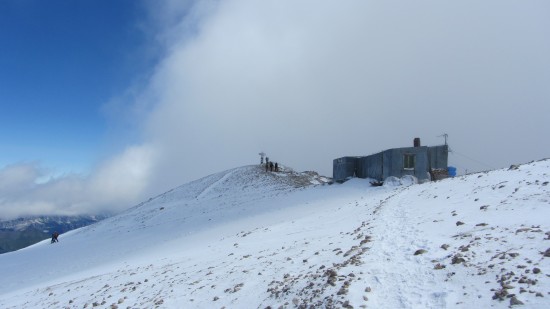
(445, 135)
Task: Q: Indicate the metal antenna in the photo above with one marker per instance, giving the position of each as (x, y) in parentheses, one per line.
(445, 135)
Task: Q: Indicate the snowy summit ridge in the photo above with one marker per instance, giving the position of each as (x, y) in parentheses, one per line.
(247, 238)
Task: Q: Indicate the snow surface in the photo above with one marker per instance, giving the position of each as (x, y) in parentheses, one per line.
(245, 238)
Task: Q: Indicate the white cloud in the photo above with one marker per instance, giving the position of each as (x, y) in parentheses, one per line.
(116, 185)
(309, 81)
(21, 192)
(18, 177)
(124, 177)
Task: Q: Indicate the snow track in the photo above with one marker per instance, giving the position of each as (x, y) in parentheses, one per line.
(401, 279)
(208, 189)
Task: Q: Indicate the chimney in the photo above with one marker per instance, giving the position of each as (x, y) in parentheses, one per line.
(416, 142)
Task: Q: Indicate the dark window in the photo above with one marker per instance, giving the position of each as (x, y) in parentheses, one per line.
(408, 161)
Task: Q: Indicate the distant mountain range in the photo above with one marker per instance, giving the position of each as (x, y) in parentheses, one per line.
(22, 232)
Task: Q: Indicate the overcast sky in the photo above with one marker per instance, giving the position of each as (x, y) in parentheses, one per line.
(132, 98)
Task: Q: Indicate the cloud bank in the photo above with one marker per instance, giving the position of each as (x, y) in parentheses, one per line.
(310, 81)
(114, 186)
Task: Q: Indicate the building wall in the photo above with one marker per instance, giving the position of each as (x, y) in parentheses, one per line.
(439, 156)
(387, 164)
(421, 161)
(371, 166)
(343, 168)
(391, 163)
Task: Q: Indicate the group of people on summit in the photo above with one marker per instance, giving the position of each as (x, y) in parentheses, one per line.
(270, 166)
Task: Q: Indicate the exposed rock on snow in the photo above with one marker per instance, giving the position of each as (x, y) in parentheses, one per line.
(420, 251)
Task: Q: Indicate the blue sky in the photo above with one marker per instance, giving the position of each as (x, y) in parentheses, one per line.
(60, 62)
(107, 103)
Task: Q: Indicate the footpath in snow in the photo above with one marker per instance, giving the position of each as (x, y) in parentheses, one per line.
(245, 238)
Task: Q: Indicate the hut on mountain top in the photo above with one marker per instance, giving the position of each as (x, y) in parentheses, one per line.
(419, 161)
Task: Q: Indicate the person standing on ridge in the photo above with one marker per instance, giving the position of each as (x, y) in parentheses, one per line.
(54, 237)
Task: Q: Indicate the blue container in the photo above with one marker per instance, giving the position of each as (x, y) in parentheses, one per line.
(451, 170)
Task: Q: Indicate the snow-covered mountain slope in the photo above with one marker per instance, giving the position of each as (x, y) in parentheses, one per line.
(25, 231)
(245, 238)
